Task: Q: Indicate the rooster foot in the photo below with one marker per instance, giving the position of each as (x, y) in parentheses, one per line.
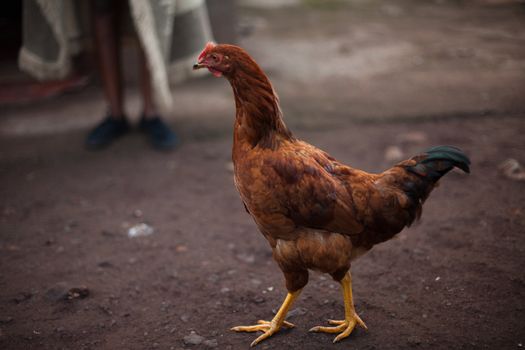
(344, 327)
(268, 329)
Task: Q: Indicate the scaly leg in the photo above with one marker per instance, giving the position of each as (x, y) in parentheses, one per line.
(346, 326)
(269, 328)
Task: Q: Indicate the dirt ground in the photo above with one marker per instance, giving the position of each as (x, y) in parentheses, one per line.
(453, 281)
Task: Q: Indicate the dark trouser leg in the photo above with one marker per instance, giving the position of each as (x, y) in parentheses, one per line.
(148, 108)
(105, 28)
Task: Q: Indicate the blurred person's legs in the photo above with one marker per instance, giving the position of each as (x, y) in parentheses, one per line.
(106, 25)
(160, 135)
(107, 47)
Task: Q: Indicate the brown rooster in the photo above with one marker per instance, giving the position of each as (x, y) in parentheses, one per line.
(315, 212)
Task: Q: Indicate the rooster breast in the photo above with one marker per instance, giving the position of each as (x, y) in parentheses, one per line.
(294, 186)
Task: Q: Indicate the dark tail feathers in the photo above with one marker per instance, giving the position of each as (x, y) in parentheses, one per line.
(429, 168)
(439, 160)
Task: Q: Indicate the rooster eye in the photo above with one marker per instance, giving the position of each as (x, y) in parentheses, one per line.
(214, 57)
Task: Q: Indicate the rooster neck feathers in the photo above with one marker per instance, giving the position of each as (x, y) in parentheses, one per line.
(257, 105)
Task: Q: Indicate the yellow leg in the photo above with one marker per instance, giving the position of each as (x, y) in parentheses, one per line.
(269, 328)
(346, 326)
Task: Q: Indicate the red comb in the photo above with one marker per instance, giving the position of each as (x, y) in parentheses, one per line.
(210, 45)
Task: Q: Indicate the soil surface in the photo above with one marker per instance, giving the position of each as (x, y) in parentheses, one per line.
(72, 278)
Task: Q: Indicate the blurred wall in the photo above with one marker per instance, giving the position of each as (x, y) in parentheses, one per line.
(223, 17)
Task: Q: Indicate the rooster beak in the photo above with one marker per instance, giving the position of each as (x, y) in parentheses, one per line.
(198, 66)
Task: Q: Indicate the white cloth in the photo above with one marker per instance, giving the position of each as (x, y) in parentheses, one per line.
(171, 32)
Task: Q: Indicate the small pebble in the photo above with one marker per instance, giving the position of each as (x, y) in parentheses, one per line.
(258, 299)
(105, 264)
(212, 343)
(512, 169)
(193, 339)
(6, 320)
(181, 248)
(140, 230)
(393, 154)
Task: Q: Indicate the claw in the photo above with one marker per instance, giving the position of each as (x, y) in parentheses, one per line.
(265, 335)
(336, 322)
(287, 324)
(256, 328)
(272, 327)
(268, 329)
(344, 327)
(322, 329)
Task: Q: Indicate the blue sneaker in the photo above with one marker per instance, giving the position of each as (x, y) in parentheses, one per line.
(106, 132)
(159, 133)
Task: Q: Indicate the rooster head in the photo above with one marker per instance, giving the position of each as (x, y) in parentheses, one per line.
(218, 58)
